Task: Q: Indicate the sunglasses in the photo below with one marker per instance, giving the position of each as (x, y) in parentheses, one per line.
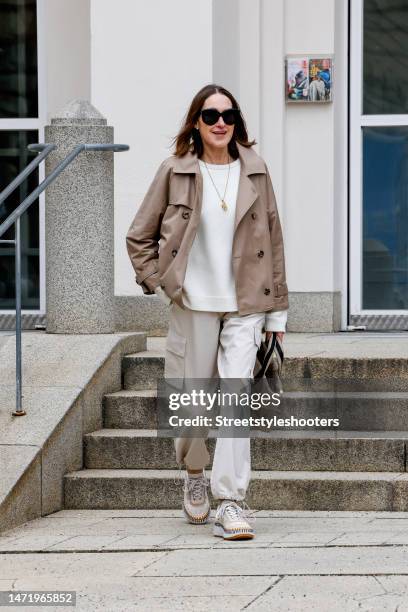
(210, 116)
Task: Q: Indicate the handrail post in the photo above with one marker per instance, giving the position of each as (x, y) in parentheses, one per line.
(19, 409)
(14, 219)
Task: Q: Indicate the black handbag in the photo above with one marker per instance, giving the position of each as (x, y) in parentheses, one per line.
(269, 363)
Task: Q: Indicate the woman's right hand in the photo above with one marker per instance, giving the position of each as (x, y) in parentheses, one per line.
(162, 295)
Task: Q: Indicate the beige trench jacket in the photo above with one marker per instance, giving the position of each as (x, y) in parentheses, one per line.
(170, 212)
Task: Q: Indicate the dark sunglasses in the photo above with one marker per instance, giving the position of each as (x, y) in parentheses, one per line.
(210, 116)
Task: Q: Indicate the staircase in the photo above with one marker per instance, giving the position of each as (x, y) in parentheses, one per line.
(127, 466)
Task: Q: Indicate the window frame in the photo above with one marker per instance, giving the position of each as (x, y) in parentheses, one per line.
(357, 122)
(38, 124)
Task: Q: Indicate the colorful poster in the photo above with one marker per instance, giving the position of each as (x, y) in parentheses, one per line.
(320, 80)
(297, 79)
(309, 79)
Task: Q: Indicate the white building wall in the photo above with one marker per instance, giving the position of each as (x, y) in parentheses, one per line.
(67, 52)
(148, 59)
(309, 150)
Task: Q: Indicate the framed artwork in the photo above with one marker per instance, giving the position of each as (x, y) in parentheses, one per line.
(309, 78)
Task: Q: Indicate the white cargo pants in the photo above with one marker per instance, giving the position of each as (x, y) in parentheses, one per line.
(203, 344)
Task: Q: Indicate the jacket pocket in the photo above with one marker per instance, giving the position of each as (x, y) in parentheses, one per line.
(174, 362)
(280, 289)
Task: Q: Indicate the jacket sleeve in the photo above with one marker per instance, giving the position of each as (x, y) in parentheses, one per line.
(276, 320)
(142, 239)
(280, 288)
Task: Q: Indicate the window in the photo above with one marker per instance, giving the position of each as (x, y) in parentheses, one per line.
(19, 126)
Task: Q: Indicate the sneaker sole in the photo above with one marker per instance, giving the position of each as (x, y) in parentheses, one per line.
(219, 532)
(196, 521)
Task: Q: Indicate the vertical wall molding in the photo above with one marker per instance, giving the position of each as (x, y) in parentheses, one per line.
(225, 35)
(272, 103)
(249, 65)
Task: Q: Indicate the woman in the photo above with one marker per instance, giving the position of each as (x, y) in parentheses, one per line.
(221, 266)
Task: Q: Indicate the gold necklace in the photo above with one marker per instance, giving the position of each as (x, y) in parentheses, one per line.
(224, 205)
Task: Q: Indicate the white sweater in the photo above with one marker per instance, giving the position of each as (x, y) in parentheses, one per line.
(209, 281)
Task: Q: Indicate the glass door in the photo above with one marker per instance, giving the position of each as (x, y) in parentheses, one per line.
(21, 123)
(379, 164)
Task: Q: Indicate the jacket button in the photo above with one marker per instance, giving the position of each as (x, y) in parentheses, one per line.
(267, 291)
(260, 253)
(185, 215)
(253, 215)
(174, 252)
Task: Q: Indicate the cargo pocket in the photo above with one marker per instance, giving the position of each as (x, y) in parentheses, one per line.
(174, 363)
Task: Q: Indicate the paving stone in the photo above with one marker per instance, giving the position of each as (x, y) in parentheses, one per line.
(120, 513)
(299, 538)
(368, 538)
(329, 514)
(272, 561)
(110, 566)
(193, 603)
(394, 584)
(6, 585)
(32, 542)
(307, 593)
(312, 524)
(135, 542)
(400, 538)
(230, 586)
(65, 518)
(390, 522)
(86, 543)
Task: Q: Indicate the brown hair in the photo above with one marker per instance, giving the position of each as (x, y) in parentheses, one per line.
(189, 139)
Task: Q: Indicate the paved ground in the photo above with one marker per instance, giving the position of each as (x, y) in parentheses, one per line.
(152, 560)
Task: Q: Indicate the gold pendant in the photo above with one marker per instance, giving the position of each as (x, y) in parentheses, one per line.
(224, 205)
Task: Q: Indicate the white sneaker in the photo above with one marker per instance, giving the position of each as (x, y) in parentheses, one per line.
(196, 505)
(231, 522)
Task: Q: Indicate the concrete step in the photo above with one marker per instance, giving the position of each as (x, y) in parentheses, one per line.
(141, 370)
(153, 489)
(130, 409)
(378, 411)
(346, 451)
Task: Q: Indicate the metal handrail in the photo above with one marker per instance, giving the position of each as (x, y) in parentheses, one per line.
(51, 177)
(45, 150)
(14, 218)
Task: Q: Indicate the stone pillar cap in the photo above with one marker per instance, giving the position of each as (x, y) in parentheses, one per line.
(78, 112)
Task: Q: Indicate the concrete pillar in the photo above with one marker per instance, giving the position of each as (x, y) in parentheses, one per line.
(79, 225)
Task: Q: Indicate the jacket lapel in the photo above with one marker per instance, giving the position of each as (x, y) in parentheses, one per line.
(251, 163)
(247, 194)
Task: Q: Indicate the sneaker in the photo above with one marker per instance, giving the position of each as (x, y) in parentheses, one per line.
(196, 505)
(231, 522)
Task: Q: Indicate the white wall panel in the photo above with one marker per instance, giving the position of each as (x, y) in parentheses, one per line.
(148, 60)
